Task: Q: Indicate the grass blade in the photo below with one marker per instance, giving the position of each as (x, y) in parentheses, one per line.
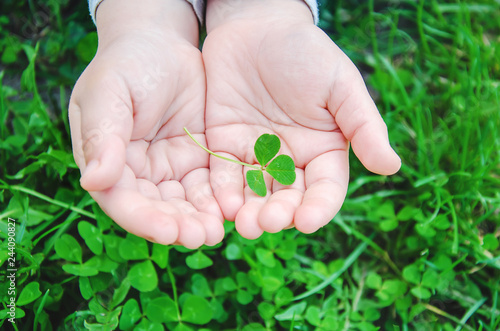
(469, 313)
(348, 262)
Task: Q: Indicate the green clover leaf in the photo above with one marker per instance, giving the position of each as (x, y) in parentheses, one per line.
(266, 147)
(198, 260)
(255, 179)
(143, 276)
(30, 293)
(281, 167)
(196, 310)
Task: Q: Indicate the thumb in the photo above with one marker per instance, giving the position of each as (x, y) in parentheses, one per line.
(101, 125)
(361, 124)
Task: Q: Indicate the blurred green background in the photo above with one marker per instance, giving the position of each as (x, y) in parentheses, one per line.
(414, 251)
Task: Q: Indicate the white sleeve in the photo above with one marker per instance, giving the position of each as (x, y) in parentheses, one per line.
(313, 5)
(199, 8)
(93, 4)
(198, 5)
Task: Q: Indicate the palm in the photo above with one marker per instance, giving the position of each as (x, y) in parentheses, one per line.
(291, 82)
(153, 180)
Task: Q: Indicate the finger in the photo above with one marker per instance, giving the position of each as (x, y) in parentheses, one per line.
(361, 123)
(214, 229)
(148, 190)
(209, 219)
(172, 222)
(199, 193)
(191, 231)
(137, 215)
(171, 189)
(246, 221)
(101, 123)
(279, 211)
(226, 180)
(326, 180)
(103, 168)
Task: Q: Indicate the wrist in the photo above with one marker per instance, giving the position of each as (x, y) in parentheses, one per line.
(117, 18)
(220, 12)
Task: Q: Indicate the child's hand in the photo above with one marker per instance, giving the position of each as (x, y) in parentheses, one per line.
(127, 114)
(269, 69)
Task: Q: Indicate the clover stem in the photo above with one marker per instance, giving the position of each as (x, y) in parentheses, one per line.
(220, 156)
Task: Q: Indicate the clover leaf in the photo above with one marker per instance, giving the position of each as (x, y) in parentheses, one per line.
(255, 180)
(266, 147)
(281, 167)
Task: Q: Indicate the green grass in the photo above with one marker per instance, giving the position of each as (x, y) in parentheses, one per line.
(414, 251)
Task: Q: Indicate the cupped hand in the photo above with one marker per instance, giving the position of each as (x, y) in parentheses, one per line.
(127, 114)
(278, 73)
